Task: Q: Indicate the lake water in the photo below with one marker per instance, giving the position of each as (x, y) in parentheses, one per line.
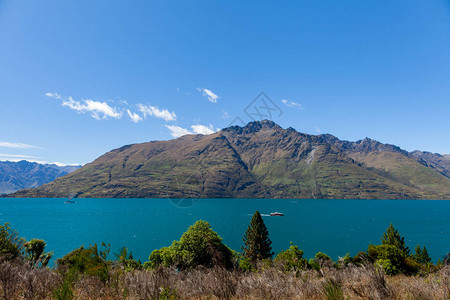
(334, 227)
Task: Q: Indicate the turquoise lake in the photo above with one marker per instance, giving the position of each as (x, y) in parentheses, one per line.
(334, 227)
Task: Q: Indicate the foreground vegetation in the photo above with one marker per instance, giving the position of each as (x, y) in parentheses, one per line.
(199, 265)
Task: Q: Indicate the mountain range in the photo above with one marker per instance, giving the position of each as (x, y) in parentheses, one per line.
(15, 176)
(259, 160)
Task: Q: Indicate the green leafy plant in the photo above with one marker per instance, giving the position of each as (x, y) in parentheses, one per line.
(11, 245)
(198, 246)
(36, 254)
(291, 259)
(246, 265)
(127, 261)
(84, 261)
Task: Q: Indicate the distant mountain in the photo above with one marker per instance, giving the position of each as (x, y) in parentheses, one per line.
(15, 176)
(259, 160)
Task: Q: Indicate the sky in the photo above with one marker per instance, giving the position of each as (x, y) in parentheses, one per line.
(80, 78)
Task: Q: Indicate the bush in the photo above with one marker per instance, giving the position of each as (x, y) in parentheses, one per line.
(36, 254)
(323, 260)
(359, 258)
(314, 265)
(127, 261)
(393, 259)
(11, 245)
(198, 246)
(387, 266)
(291, 259)
(246, 265)
(321, 257)
(84, 261)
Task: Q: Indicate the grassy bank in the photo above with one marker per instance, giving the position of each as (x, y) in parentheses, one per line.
(19, 281)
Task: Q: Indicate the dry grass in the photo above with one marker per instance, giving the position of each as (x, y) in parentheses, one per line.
(364, 282)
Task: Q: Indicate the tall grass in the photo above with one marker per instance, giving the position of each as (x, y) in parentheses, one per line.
(22, 281)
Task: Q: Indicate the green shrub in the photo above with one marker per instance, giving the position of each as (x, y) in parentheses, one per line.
(291, 259)
(125, 258)
(321, 257)
(246, 265)
(314, 265)
(84, 261)
(198, 246)
(393, 259)
(36, 254)
(387, 266)
(323, 260)
(11, 245)
(359, 258)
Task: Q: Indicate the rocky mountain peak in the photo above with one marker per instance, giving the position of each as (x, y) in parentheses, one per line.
(252, 127)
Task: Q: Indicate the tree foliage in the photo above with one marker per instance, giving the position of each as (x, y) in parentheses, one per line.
(393, 237)
(421, 255)
(256, 240)
(87, 261)
(291, 259)
(11, 245)
(125, 258)
(36, 254)
(198, 246)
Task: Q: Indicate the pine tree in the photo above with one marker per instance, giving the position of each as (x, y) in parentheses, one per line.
(421, 255)
(256, 240)
(393, 237)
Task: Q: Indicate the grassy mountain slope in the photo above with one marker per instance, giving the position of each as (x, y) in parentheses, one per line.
(260, 160)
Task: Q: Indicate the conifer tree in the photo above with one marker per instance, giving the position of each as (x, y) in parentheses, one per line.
(256, 240)
(421, 255)
(393, 237)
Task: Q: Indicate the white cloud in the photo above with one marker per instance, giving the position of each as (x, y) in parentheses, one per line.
(53, 95)
(18, 145)
(292, 104)
(19, 157)
(208, 93)
(16, 157)
(134, 116)
(317, 129)
(202, 129)
(177, 131)
(225, 115)
(99, 110)
(148, 110)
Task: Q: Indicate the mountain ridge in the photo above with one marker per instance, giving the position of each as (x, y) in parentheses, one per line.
(15, 176)
(259, 160)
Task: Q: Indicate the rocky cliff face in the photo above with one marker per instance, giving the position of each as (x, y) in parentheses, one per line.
(259, 160)
(15, 176)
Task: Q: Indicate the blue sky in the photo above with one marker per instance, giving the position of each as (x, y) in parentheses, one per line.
(79, 78)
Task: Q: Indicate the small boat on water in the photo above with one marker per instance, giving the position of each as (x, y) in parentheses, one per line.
(69, 200)
(276, 214)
